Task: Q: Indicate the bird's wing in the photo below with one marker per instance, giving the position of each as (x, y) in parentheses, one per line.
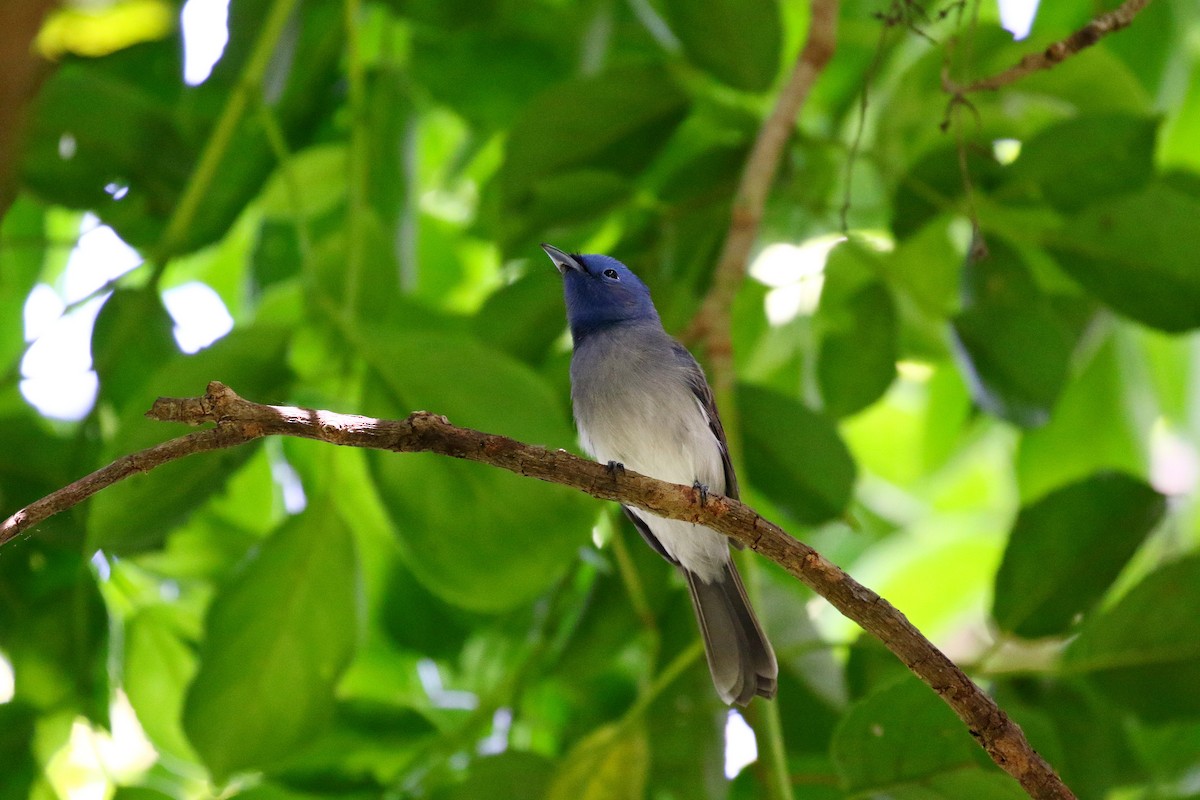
(649, 536)
(704, 396)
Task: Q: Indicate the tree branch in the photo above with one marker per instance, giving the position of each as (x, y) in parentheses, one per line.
(23, 70)
(711, 324)
(1056, 53)
(239, 421)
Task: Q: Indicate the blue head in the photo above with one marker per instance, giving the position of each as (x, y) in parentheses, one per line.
(600, 291)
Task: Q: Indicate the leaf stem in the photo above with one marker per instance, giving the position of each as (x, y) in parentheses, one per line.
(775, 753)
(637, 596)
(686, 658)
(356, 190)
(249, 86)
(631, 578)
(279, 146)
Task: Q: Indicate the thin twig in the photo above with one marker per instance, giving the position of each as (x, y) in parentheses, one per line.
(1051, 56)
(856, 141)
(1056, 53)
(635, 588)
(239, 421)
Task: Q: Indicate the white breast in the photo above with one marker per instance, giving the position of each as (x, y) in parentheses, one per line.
(633, 405)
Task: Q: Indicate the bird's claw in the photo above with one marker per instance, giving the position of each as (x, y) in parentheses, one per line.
(615, 468)
(702, 489)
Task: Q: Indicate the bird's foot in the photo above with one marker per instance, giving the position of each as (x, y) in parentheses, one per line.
(615, 468)
(702, 489)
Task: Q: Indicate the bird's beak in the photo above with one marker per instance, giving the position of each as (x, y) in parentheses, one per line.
(563, 261)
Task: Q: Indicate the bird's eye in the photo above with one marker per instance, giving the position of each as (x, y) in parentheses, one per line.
(612, 273)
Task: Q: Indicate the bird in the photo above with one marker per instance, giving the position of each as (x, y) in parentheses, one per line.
(641, 401)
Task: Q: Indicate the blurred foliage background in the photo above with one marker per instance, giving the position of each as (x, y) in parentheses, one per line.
(350, 206)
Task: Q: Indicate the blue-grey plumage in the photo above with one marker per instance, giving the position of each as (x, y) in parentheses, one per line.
(641, 400)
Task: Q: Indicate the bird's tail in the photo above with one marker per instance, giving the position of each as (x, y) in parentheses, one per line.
(739, 656)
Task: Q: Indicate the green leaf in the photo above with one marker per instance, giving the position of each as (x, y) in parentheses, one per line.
(475, 535)
(591, 666)
(525, 317)
(323, 165)
(159, 665)
(449, 267)
(927, 267)
(686, 723)
(1150, 50)
(686, 247)
(446, 63)
(437, 632)
(277, 638)
(1144, 653)
(54, 629)
(870, 666)
(799, 645)
(376, 283)
(131, 340)
(973, 783)
(118, 112)
(1172, 374)
(1101, 82)
(512, 775)
(813, 685)
(1015, 359)
(1066, 549)
(276, 256)
(1087, 740)
(299, 85)
(1134, 253)
(903, 737)
(856, 357)
(610, 763)
(795, 456)
(560, 200)
(737, 41)
(856, 365)
(1170, 752)
(1094, 427)
(1059, 163)
(808, 719)
(1182, 128)
(909, 131)
(909, 117)
(1015, 348)
(367, 743)
(17, 722)
(389, 111)
(272, 791)
(139, 793)
(935, 182)
(913, 430)
(711, 171)
(22, 231)
(558, 130)
(33, 461)
(137, 513)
